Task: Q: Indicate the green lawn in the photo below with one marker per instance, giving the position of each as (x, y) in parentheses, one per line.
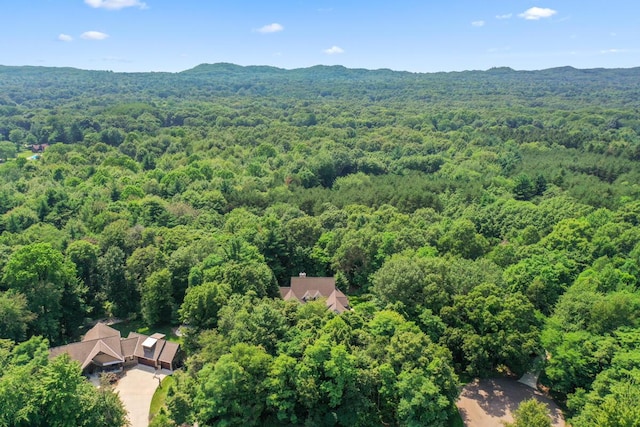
(139, 327)
(160, 396)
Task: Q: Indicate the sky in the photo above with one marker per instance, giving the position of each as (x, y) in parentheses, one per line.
(407, 35)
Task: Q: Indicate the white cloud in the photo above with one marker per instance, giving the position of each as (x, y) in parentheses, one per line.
(536, 13)
(478, 23)
(115, 4)
(94, 35)
(333, 50)
(505, 16)
(65, 38)
(271, 28)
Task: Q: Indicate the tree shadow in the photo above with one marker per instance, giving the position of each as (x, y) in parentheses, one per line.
(498, 397)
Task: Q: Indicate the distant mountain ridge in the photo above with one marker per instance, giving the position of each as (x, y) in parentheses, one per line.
(601, 87)
(230, 68)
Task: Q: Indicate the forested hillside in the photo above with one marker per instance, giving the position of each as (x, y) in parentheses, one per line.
(477, 220)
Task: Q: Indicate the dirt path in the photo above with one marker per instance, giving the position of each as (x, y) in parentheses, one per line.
(489, 402)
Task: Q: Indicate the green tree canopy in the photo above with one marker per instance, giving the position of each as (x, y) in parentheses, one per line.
(51, 288)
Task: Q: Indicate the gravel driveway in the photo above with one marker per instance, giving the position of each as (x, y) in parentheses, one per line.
(136, 389)
(489, 402)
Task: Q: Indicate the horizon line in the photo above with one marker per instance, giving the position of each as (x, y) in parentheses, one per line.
(497, 67)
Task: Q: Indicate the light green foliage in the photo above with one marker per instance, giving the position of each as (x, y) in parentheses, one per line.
(541, 277)
(617, 407)
(231, 392)
(7, 150)
(531, 413)
(202, 303)
(592, 333)
(250, 320)
(462, 239)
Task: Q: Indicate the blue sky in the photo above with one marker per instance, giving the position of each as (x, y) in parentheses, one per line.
(420, 36)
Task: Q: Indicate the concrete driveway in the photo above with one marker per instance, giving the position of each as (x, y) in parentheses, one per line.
(136, 389)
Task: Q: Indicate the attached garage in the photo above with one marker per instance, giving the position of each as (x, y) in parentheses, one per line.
(146, 362)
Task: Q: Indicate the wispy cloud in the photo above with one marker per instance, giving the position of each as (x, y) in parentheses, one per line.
(536, 13)
(504, 16)
(94, 35)
(116, 4)
(334, 50)
(607, 51)
(271, 28)
(478, 23)
(65, 38)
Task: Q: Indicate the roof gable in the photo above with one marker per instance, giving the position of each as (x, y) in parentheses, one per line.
(169, 352)
(305, 289)
(99, 331)
(107, 349)
(99, 350)
(322, 285)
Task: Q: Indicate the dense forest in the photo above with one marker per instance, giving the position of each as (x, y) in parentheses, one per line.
(478, 221)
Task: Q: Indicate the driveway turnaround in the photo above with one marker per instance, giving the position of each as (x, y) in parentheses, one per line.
(136, 389)
(490, 402)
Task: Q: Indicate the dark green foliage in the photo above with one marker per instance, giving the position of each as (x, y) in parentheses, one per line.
(14, 315)
(156, 300)
(317, 369)
(49, 284)
(487, 328)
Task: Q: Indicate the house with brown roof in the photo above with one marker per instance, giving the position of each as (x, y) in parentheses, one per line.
(305, 289)
(38, 148)
(103, 349)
